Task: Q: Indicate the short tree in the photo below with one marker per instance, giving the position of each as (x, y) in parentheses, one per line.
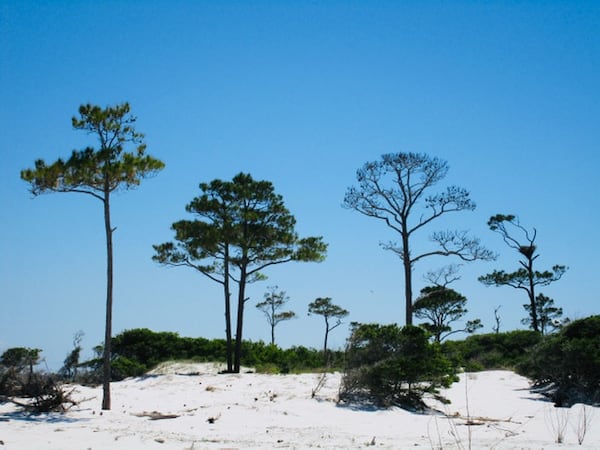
(16, 369)
(392, 190)
(441, 306)
(332, 314)
(99, 173)
(548, 314)
(271, 308)
(525, 278)
(71, 362)
(393, 366)
(243, 227)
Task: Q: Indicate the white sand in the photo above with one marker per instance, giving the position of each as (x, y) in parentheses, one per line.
(172, 409)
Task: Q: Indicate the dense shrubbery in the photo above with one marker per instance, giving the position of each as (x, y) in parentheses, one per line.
(568, 363)
(389, 365)
(492, 351)
(139, 350)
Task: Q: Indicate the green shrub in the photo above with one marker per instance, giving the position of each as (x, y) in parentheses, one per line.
(139, 350)
(568, 363)
(389, 365)
(123, 367)
(492, 351)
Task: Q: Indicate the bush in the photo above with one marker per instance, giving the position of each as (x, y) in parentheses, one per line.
(492, 351)
(568, 363)
(389, 365)
(138, 350)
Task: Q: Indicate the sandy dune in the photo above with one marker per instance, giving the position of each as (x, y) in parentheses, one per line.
(190, 406)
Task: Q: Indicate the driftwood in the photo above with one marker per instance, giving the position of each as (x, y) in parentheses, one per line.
(155, 415)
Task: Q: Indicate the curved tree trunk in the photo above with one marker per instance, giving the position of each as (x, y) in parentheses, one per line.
(109, 301)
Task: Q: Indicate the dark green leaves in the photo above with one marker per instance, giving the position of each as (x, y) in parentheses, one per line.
(98, 171)
(243, 221)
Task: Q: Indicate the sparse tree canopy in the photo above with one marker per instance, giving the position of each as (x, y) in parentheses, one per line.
(323, 306)
(526, 277)
(441, 306)
(394, 190)
(243, 227)
(271, 307)
(549, 316)
(98, 173)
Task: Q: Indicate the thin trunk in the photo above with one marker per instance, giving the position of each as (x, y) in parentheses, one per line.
(407, 276)
(325, 342)
(534, 318)
(229, 344)
(240, 320)
(109, 301)
(273, 321)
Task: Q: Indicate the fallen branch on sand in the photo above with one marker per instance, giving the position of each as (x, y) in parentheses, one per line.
(155, 415)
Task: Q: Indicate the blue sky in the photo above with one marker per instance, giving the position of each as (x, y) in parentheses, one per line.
(300, 93)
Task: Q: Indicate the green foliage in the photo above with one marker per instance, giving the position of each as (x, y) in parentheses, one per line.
(441, 306)
(16, 370)
(393, 366)
(548, 314)
(138, 350)
(20, 358)
(492, 351)
(242, 227)
(569, 363)
(98, 172)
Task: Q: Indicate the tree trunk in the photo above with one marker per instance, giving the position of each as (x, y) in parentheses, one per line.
(534, 317)
(240, 320)
(229, 344)
(273, 312)
(407, 277)
(109, 301)
(325, 341)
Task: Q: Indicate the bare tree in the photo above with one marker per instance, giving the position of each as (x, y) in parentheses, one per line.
(271, 306)
(393, 189)
(496, 327)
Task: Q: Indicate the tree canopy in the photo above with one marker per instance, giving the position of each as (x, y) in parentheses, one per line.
(395, 191)
(242, 227)
(441, 306)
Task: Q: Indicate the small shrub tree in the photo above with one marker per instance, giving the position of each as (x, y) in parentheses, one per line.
(548, 314)
(71, 364)
(389, 365)
(322, 306)
(271, 307)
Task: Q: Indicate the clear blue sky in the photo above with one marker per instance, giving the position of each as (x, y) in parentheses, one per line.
(300, 93)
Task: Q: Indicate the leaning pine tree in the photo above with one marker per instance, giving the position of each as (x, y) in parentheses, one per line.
(98, 172)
